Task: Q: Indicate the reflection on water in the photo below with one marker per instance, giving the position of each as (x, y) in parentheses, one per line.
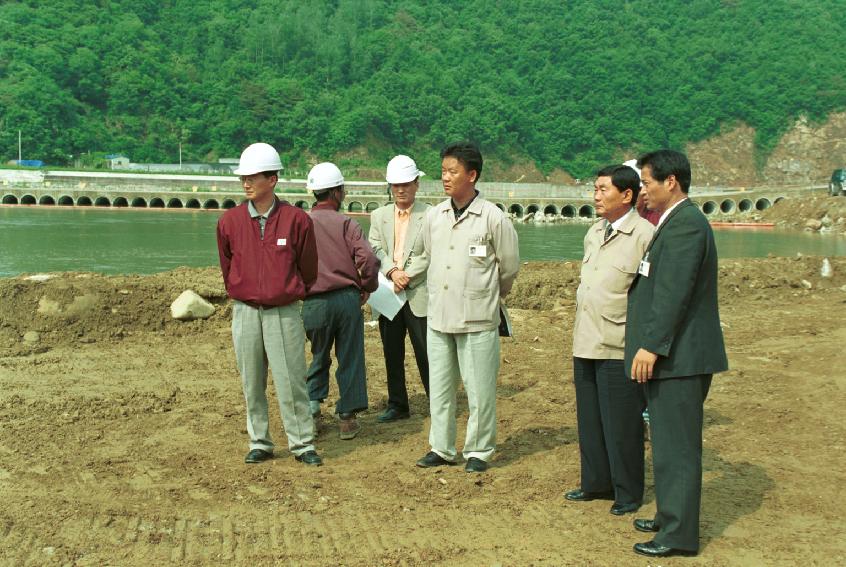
(130, 241)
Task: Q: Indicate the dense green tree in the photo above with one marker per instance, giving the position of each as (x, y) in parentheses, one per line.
(566, 84)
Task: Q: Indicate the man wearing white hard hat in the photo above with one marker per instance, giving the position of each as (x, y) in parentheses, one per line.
(347, 272)
(268, 257)
(396, 234)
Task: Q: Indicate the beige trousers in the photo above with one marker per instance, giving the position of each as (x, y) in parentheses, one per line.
(273, 337)
(473, 358)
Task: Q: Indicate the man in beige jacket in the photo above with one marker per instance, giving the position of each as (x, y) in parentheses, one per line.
(473, 262)
(396, 234)
(608, 404)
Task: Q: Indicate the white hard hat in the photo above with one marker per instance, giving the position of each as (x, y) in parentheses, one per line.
(258, 158)
(632, 163)
(324, 176)
(402, 169)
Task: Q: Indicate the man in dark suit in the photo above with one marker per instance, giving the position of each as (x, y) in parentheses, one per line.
(396, 234)
(674, 344)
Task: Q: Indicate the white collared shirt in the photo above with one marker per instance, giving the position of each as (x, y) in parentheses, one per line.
(668, 211)
(619, 222)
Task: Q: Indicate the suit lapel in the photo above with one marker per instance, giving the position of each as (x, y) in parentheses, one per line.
(673, 213)
(687, 202)
(388, 231)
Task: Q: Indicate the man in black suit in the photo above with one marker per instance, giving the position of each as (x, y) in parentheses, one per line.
(674, 344)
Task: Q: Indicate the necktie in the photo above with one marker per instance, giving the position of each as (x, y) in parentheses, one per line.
(608, 230)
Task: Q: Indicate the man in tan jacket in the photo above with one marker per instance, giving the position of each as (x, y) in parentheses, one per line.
(396, 234)
(609, 405)
(473, 262)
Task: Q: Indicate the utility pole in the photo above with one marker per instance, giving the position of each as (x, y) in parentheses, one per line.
(19, 147)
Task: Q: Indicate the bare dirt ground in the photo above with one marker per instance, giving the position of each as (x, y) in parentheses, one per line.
(123, 437)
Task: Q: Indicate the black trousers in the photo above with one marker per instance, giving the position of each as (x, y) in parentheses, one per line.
(393, 345)
(609, 411)
(675, 424)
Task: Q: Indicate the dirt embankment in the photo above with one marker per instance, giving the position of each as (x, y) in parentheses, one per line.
(123, 437)
(814, 213)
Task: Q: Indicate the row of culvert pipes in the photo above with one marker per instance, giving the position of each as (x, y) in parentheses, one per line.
(527, 213)
(551, 213)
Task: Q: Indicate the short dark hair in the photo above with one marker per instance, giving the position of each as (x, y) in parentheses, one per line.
(665, 163)
(467, 154)
(270, 173)
(323, 194)
(622, 177)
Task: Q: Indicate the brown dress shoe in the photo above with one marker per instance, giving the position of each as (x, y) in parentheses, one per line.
(349, 427)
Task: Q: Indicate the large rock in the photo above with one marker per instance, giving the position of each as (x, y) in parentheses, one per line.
(189, 305)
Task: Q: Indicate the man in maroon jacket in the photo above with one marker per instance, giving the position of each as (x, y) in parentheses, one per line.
(347, 272)
(268, 257)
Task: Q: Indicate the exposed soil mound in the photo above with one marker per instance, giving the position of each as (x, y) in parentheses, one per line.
(83, 307)
(815, 213)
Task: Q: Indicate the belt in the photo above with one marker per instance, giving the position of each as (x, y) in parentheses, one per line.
(255, 305)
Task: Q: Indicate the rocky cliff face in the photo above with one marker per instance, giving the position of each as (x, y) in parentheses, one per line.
(806, 155)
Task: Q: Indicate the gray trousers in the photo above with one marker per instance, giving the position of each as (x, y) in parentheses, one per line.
(273, 337)
(473, 358)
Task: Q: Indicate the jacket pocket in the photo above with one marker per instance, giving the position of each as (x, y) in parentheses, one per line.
(612, 326)
(478, 305)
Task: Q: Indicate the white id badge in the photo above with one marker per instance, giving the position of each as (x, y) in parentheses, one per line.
(478, 250)
(643, 269)
(281, 241)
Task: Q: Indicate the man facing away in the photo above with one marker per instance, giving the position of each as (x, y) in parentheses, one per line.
(673, 345)
(268, 257)
(347, 271)
(396, 234)
(473, 262)
(608, 404)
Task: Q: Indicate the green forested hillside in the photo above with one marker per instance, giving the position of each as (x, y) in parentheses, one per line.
(567, 84)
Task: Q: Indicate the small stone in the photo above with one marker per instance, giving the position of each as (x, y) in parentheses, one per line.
(49, 307)
(442, 481)
(32, 337)
(813, 224)
(189, 305)
(806, 284)
(39, 277)
(49, 550)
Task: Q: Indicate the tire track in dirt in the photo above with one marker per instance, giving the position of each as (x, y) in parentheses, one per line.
(299, 537)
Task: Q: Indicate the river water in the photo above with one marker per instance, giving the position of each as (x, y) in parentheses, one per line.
(116, 241)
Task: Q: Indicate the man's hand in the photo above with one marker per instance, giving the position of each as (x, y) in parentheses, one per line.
(400, 279)
(642, 365)
(364, 296)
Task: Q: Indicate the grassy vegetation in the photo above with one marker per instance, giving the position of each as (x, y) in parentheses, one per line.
(562, 84)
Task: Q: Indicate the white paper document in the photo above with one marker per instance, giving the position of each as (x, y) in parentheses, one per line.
(384, 300)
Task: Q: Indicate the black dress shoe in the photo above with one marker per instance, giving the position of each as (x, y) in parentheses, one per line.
(310, 458)
(647, 526)
(580, 495)
(623, 509)
(652, 549)
(475, 465)
(432, 459)
(392, 414)
(257, 456)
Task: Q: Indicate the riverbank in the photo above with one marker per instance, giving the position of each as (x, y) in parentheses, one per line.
(123, 438)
